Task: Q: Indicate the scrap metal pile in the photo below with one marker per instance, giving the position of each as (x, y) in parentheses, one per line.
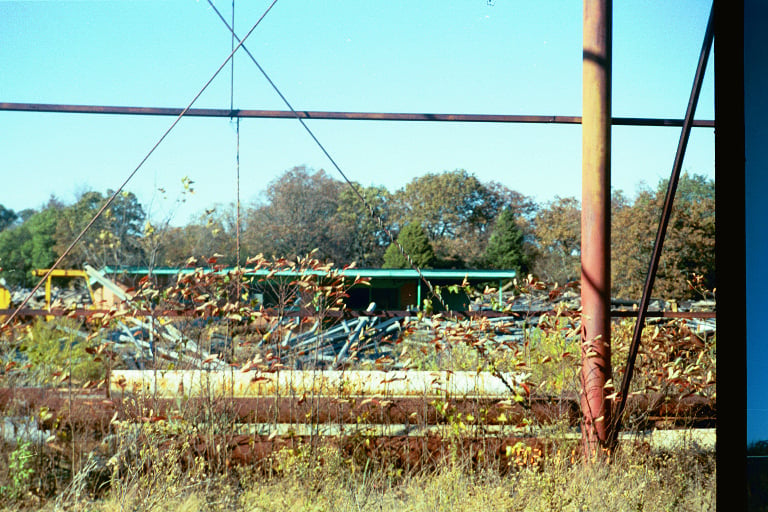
(306, 341)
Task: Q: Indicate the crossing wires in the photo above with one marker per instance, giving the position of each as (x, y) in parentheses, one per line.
(355, 189)
(112, 198)
(371, 210)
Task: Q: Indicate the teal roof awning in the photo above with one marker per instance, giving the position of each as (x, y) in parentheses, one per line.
(373, 273)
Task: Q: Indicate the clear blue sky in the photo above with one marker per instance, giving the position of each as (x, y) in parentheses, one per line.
(460, 57)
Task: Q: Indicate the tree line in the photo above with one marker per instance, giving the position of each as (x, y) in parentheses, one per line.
(442, 220)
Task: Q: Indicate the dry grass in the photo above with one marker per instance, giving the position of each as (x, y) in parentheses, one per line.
(668, 482)
(325, 480)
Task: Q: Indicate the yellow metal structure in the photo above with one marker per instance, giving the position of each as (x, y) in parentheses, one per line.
(5, 301)
(5, 298)
(61, 273)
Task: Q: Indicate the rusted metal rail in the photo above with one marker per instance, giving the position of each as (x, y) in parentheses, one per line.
(348, 116)
(415, 414)
(81, 312)
(409, 419)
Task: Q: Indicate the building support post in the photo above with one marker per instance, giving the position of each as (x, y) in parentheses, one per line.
(418, 295)
(596, 223)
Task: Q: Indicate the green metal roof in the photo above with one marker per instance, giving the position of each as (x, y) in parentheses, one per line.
(373, 273)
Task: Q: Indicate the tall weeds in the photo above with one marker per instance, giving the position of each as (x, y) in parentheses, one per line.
(167, 449)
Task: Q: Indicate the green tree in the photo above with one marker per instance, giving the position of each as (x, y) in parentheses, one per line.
(26, 213)
(363, 238)
(413, 238)
(15, 255)
(446, 203)
(7, 217)
(524, 209)
(30, 245)
(114, 239)
(506, 245)
(457, 211)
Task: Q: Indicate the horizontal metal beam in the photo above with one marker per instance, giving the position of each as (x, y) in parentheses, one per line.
(59, 272)
(349, 116)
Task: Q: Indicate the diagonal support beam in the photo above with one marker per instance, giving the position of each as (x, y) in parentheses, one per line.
(662, 230)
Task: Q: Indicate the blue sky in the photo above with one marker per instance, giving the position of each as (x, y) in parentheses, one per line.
(510, 57)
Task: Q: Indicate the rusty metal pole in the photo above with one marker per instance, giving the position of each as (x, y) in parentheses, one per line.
(596, 223)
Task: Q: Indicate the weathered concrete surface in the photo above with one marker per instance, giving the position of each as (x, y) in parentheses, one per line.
(240, 384)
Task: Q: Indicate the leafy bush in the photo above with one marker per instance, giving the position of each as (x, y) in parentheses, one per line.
(20, 473)
(56, 351)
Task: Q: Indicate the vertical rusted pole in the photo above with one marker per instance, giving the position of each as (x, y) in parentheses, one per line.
(596, 222)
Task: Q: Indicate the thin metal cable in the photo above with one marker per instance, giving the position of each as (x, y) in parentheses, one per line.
(237, 203)
(232, 64)
(370, 208)
(131, 175)
(237, 150)
(237, 171)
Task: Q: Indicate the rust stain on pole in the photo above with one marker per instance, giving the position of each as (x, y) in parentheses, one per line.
(596, 221)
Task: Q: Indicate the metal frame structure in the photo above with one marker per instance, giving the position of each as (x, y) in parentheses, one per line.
(596, 126)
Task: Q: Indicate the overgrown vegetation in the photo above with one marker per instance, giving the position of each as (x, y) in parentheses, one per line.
(193, 454)
(56, 351)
